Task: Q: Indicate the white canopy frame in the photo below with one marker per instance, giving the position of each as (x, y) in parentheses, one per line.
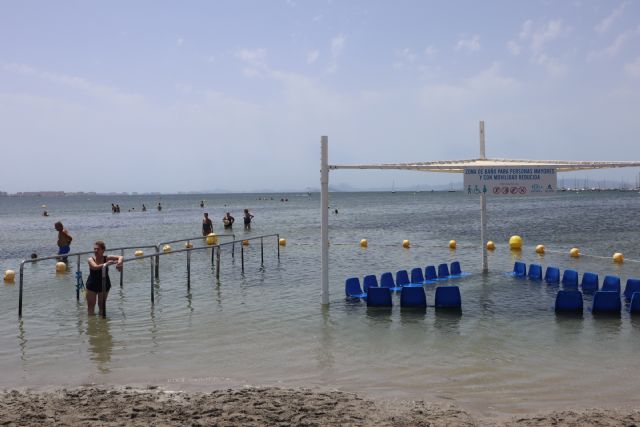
(455, 166)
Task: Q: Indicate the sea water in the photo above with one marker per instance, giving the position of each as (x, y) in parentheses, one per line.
(507, 352)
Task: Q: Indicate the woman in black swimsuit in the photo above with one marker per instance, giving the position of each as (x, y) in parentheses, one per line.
(94, 282)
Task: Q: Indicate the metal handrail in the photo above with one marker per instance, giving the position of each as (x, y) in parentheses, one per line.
(159, 245)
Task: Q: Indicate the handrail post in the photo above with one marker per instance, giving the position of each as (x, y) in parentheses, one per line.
(188, 270)
(121, 271)
(78, 273)
(78, 262)
(20, 297)
(278, 245)
(218, 263)
(233, 246)
(213, 251)
(151, 264)
(157, 262)
(242, 257)
(261, 253)
(103, 300)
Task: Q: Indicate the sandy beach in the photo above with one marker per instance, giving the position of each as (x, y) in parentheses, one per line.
(257, 406)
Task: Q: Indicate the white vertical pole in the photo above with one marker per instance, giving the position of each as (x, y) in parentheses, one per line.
(483, 209)
(324, 227)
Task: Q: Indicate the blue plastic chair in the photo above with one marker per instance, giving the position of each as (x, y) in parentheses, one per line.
(448, 297)
(430, 273)
(590, 282)
(456, 270)
(634, 307)
(417, 279)
(370, 281)
(632, 286)
(352, 288)
(535, 272)
(552, 275)
(413, 297)
(611, 284)
(443, 271)
(379, 297)
(519, 269)
(402, 278)
(570, 279)
(606, 302)
(569, 301)
(386, 281)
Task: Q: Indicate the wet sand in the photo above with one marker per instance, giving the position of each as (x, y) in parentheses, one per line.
(260, 406)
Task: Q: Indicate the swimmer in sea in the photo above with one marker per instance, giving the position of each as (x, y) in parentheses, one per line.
(247, 219)
(94, 281)
(144, 208)
(64, 241)
(159, 206)
(228, 221)
(207, 225)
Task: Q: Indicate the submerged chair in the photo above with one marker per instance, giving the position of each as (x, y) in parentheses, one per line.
(430, 273)
(456, 271)
(370, 281)
(519, 269)
(552, 275)
(413, 297)
(570, 279)
(386, 281)
(448, 297)
(535, 272)
(402, 278)
(443, 271)
(634, 307)
(417, 279)
(590, 282)
(379, 297)
(569, 301)
(606, 302)
(352, 288)
(632, 286)
(611, 284)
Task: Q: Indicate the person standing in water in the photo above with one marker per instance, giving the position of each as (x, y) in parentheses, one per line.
(159, 207)
(247, 219)
(96, 290)
(228, 221)
(64, 241)
(202, 203)
(144, 208)
(207, 225)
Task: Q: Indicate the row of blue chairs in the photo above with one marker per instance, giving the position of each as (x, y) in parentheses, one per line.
(413, 296)
(353, 290)
(590, 281)
(603, 302)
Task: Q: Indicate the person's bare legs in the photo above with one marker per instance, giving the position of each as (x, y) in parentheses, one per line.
(91, 302)
(102, 299)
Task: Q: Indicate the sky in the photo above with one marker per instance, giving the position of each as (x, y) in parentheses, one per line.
(235, 95)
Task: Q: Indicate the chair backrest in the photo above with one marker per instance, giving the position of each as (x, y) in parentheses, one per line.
(386, 280)
(402, 278)
(416, 275)
(569, 301)
(430, 272)
(611, 284)
(606, 302)
(352, 286)
(455, 268)
(590, 282)
(370, 281)
(535, 272)
(570, 279)
(552, 275)
(633, 285)
(634, 307)
(443, 271)
(448, 297)
(519, 269)
(413, 297)
(379, 297)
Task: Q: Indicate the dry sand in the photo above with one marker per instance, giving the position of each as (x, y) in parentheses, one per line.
(94, 405)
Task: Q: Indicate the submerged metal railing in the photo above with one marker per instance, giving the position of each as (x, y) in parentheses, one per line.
(161, 244)
(154, 265)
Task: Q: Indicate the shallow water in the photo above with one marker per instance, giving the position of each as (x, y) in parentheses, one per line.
(506, 353)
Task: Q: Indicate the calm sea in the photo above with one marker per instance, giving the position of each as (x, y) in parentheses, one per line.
(508, 351)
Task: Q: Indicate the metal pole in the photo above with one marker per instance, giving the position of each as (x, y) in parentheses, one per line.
(189, 270)
(261, 253)
(242, 257)
(213, 251)
(151, 264)
(483, 209)
(233, 246)
(157, 262)
(121, 271)
(78, 273)
(103, 302)
(20, 297)
(324, 227)
(218, 264)
(78, 262)
(278, 245)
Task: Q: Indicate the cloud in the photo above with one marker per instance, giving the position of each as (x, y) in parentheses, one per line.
(604, 25)
(537, 37)
(313, 56)
(614, 48)
(633, 69)
(514, 47)
(469, 44)
(256, 61)
(337, 46)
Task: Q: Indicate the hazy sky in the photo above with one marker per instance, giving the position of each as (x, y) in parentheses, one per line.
(171, 96)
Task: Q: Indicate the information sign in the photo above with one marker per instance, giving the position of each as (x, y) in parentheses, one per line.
(510, 181)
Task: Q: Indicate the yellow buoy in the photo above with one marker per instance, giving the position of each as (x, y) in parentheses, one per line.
(574, 253)
(138, 253)
(282, 242)
(245, 243)
(212, 239)
(61, 267)
(9, 276)
(452, 244)
(166, 248)
(406, 244)
(188, 245)
(515, 243)
(364, 243)
(540, 249)
(618, 257)
(490, 245)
